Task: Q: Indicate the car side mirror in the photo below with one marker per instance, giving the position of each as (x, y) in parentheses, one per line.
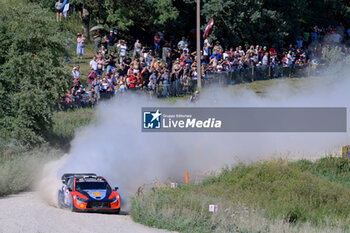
(116, 188)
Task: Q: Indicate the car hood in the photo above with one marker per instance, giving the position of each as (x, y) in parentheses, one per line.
(97, 194)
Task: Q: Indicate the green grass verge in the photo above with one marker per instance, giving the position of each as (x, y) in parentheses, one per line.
(65, 124)
(260, 197)
(332, 168)
(20, 165)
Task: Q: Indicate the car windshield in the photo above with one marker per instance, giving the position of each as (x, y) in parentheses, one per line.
(91, 185)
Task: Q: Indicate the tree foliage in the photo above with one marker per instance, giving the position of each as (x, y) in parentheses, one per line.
(238, 21)
(270, 21)
(32, 76)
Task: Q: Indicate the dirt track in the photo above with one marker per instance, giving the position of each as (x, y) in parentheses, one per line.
(28, 213)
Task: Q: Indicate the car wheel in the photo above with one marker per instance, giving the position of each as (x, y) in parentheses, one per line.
(117, 211)
(72, 207)
(59, 202)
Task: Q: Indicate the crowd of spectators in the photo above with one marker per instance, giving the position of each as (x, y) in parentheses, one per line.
(169, 67)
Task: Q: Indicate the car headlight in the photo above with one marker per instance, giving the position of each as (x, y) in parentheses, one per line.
(113, 199)
(80, 198)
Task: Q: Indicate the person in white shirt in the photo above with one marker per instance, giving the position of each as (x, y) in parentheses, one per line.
(122, 46)
(76, 72)
(290, 58)
(93, 63)
(265, 60)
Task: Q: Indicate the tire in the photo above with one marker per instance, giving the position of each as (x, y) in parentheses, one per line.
(72, 207)
(59, 202)
(117, 211)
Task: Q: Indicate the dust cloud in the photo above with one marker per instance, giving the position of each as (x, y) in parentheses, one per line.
(114, 146)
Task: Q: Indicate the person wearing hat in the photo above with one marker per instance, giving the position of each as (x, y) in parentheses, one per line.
(218, 47)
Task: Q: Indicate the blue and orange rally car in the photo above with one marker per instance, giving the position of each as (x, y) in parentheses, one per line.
(88, 192)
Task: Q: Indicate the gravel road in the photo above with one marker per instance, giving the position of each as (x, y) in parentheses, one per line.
(28, 213)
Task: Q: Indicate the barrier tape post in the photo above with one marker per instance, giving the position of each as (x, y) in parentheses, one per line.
(186, 178)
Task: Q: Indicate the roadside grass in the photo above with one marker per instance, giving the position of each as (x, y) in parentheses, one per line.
(20, 167)
(334, 169)
(65, 123)
(269, 196)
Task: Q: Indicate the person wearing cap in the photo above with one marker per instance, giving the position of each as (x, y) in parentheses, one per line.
(111, 39)
(76, 74)
(154, 76)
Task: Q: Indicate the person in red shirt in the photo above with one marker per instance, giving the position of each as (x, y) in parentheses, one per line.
(272, 51)
(132, 81)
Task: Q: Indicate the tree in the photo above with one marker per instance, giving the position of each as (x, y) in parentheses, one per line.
(32, 75)
(247, 21)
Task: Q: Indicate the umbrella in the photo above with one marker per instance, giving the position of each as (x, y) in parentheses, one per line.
(94, 28)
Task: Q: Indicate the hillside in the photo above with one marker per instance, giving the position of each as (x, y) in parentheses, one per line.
(269, 196)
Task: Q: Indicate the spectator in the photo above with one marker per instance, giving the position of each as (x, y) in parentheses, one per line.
(110, 39)
(110, 62)
(80, 45)
(93, 63)
(76, 74)
(122, 50)
(174, 72)
(157, 43)
(182, 43)
(290, 58)
(272, 51)
(91, 77)
(92, 96)
(137, 48)
(300, 42)
(265, 60)
(59, 11)
(97, 40)
(205, 52)
(100, 65)
(132, 82)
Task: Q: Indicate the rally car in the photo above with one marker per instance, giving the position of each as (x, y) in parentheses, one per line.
(88, 192)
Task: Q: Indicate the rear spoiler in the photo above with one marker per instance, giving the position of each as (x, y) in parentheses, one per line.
(65, 176)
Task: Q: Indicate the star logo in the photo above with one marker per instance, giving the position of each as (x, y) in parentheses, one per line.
(156, 115)
(152, 120)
